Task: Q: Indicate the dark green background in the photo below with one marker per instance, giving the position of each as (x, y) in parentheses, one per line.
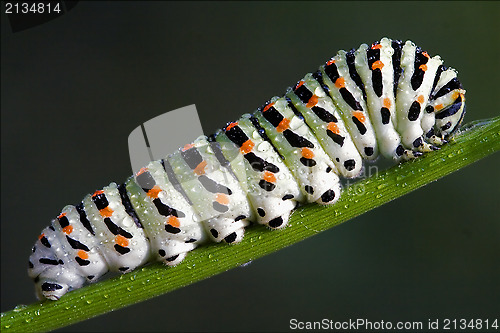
(74, 88)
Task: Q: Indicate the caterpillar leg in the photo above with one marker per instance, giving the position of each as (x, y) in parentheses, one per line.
(330, 196)
(225, 229)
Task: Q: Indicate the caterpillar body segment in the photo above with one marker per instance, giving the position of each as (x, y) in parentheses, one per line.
(389, 98)
(308, 162)
(350, 99)
(213, 189)
(269, 183)
(170, 222)
(324, 119)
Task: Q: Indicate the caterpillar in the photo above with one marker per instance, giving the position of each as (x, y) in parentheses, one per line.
(390, 99)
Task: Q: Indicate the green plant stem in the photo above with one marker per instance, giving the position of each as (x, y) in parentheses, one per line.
(478, 141)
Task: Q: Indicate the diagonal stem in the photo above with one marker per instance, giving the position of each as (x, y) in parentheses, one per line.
(479, 140)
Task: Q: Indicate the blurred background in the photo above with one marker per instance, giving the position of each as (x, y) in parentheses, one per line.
(73, 89)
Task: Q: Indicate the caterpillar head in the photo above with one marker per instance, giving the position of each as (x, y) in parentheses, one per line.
(448, 103)
(449, 120)
(52, 273)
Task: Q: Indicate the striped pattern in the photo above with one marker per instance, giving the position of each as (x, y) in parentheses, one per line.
(389, 98)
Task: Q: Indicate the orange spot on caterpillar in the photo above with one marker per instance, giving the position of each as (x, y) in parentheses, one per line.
(247, 146)
(41, 236)
(333, 127)
(188, 146)
(340, 82)
(231, 125)
(312, 101)
(222, 198)
(377, 64)
(269, 177)
(376, 46)
(425, 54)
(455, 94)
(153, 193)
(421, 99)
(423, 67)
(68, 229)
(120, 240)
(438, 107)
(97, 193)
(106, 212)
(283, 125)
(299, 84)
(200, 168)
(387, 103)
(307, 153)
(82, 254)
(359, 115)
(174, 221)
(267, 107)
(329, 62)
(61, 215)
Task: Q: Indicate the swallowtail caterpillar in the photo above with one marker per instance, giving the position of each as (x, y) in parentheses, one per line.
(390, 98)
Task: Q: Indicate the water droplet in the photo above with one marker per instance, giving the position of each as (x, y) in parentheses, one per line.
(346, 206)
(378, 196)
(20, 307)
(105, 296)
(260, 237)
(89, 301)
(27, 320)
(404, 184)
(264, 146)
(67, 307)
(129, 288)
(36, 312)
(246, 264)
(210, 255)
(381, 186)
(7, 326)
(132, 277)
